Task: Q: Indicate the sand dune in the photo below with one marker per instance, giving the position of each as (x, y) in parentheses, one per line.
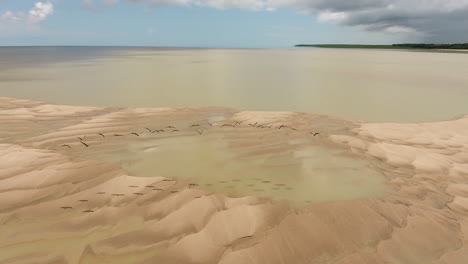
(63, 202)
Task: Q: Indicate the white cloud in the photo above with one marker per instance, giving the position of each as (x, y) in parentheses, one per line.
(332, 17)
(19, 22)
(40, 12)
(399, 29)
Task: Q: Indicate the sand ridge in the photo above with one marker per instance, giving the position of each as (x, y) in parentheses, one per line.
(63, 204)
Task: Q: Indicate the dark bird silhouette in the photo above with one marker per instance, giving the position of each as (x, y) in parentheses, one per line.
(269, 126)
(86, 145)
(238, 123)
(151, 131)
(83, 200)
(170, 127)
(315, 134)
(253, 125)
(160, 130)
(132, 186)
(66, 207)
(174, 191)
(200, 132)
(210, 124)
(118, 135)
(197, 197)
(149, 186)
(88, 211)
(81, 138)
(175, 130)
(196, 125)
(134, 134)
(192, 185)
(280, 127)
(227, 125)
(138, 193)
(101, 193)
(102, 135)
(245, 237)
(65, 145)
(118, 194)
(157, 189)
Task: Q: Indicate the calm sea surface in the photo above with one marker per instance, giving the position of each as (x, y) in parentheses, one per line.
(369, 85)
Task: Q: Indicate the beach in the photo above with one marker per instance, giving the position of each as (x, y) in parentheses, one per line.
(102, 184)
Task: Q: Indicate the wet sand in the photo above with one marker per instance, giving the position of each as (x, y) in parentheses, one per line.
(227, 187)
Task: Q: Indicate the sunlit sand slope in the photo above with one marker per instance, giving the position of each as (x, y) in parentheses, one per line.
(74, 189)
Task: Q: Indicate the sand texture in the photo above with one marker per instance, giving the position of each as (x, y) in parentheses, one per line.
(101, 185)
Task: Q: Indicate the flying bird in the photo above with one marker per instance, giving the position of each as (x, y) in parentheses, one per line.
(134, 134)
(118, 135)
(196, 125)
(81, 138)
(315, 134)
(170, 127)
(65, 145)
(229, 125)
(102, 135)
(88, 211)
(66, 207)
(86, 145)
(200, 132)
(175, 130)
(149, 130)
(253, 125)
(83, 200)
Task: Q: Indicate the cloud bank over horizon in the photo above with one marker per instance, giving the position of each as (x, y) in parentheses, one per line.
(426, 20)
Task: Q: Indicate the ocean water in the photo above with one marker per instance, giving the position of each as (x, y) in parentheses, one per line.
(368, 85)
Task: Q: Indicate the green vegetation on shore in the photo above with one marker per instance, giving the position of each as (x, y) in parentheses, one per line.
(393, 46)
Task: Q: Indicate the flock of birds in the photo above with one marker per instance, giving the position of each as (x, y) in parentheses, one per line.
(152, 187)
(254, 184)
(200, 131)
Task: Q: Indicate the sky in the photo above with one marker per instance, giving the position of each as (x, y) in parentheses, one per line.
(235, 23)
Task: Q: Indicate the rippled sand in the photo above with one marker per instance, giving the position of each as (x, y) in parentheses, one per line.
(223, 186)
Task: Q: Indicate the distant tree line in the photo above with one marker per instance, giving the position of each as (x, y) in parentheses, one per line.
(432, 46)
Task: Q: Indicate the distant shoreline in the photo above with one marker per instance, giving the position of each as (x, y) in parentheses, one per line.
(458, 47)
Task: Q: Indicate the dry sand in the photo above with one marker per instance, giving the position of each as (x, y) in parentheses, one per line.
(61, 204)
